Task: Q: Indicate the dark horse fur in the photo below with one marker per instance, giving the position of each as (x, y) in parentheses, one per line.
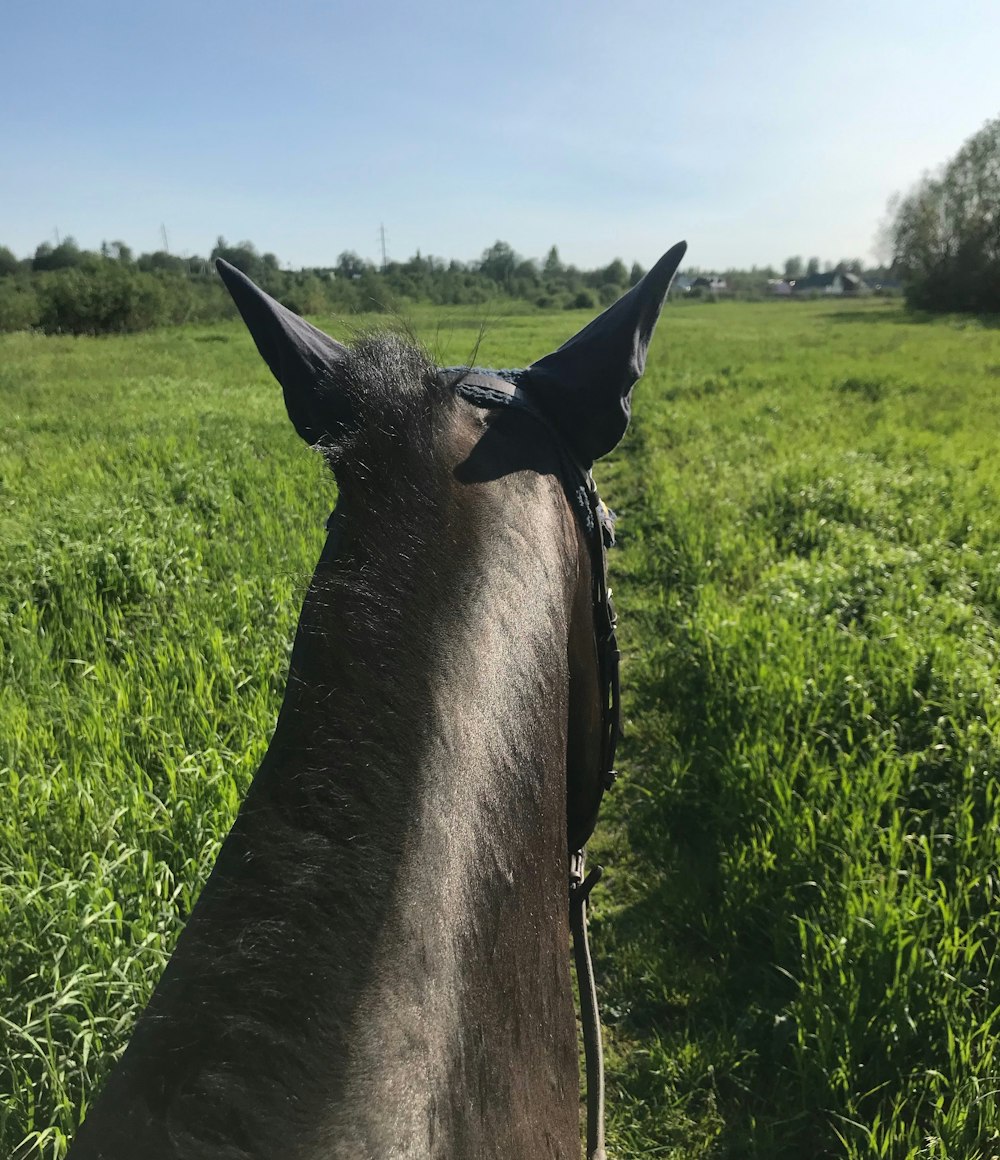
(378, 966)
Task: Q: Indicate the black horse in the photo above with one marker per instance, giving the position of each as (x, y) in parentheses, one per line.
(378, 966)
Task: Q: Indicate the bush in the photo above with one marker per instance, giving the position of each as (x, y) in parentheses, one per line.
(106, 300)
(8, 261)
(18, 305)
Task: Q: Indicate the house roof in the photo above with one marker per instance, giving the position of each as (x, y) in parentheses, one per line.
(821, 281)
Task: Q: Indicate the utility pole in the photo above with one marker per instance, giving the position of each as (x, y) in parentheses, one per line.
(163, 235)
(381, 234)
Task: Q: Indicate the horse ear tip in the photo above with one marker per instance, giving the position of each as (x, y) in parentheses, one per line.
(670, 262)
(236, 282)
(225, 270)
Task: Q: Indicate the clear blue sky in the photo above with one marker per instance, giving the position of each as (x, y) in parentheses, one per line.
(756, 131)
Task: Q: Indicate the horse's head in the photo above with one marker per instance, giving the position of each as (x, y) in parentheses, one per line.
(584, 388)
(377, 407)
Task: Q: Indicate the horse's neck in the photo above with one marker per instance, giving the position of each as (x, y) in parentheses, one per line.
(463, 1027)
(378, 965)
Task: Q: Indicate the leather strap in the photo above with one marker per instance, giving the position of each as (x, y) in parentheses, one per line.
(593, 1048)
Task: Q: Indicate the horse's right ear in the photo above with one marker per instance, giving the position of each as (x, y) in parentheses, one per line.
(303, 359)
(585, 386)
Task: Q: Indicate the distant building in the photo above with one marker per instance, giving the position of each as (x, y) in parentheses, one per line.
(781, 287)
(711, 283)
(835, 282)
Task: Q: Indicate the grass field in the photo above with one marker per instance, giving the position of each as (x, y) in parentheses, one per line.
(797, 939)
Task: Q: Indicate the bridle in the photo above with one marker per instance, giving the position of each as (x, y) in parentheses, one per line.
(508, 389)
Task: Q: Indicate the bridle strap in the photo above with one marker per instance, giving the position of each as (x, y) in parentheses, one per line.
(503, 389)
(605, 630)
(593, 1048)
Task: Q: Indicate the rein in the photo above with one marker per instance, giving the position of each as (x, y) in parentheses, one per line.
(501, 388)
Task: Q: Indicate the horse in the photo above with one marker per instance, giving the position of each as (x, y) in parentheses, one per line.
(378, 965)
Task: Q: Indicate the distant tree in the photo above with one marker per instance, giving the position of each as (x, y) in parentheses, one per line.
(161, 260)
(636, 274)
(498, 263)
(793, 267)
(525, 280)
(349, 265)
(306, 294)
(615, 274)
(243, 256)
(65, 256)
(117, 252)
(8, 261)
(812, 267)
(552, 267)
(198, 266)
(946, 231)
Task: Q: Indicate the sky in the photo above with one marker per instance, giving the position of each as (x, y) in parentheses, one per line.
(756, 131)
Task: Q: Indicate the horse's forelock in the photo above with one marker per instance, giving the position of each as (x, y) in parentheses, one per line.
(397, 397)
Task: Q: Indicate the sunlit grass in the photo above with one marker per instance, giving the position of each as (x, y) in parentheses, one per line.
(797, 937)
(800, 949)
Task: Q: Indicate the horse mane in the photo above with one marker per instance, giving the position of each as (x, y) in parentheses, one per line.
(399, 403)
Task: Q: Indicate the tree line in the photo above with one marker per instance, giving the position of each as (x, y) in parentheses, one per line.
(945, 233)
(66, 289)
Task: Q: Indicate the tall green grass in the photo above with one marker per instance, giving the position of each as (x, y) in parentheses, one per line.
(796, 941)
(801, 943)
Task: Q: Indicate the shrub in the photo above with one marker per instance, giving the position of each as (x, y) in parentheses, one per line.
(108, 299)
(18, 305)
(582, 300)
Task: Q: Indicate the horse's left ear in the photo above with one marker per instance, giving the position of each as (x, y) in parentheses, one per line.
(302, 358)
(585, 387)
